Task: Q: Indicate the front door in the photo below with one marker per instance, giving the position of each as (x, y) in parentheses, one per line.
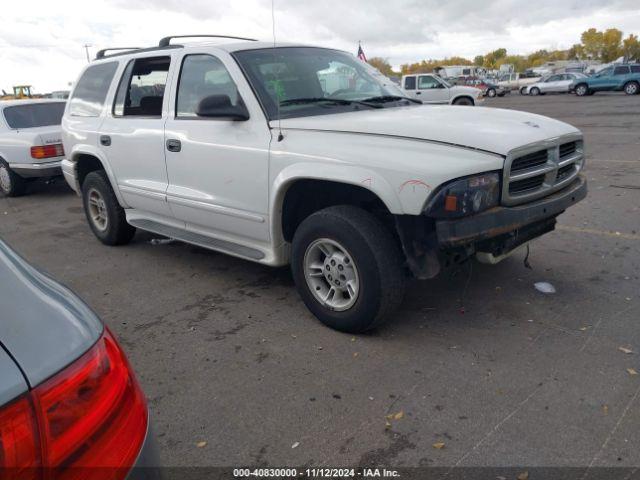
(430, 90)
(218, 167)
(132, 135)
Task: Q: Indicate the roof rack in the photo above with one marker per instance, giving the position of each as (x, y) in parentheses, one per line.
(102, 53)
(167, 40)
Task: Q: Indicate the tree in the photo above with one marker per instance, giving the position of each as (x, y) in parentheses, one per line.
(611, 44)
(383, 65)
(478, 61)
(592, 43)
(576, 52)
(631, 47)
(491, 59)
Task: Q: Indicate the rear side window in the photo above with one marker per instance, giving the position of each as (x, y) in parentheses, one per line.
(410, 83)
(141, 89)
(91, 90)
(34, 115)
(621, 70)
(201, 77)
(635, 68)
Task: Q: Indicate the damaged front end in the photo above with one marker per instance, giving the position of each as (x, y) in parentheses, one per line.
(432, 244)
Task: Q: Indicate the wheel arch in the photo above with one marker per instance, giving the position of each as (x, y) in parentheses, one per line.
(348, 185)
(461, 96)
(90, 160)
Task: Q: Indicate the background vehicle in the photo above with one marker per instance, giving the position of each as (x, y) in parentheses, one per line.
(19, 92)
(69, 399)
(430, 88)
(613, 78)
(516, 81)
(556, 83)
(489, 89)
(30, 142)
(299, 155)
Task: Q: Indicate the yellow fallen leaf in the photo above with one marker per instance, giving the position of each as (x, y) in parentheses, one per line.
(632, 371)
(625, 350)
(387, 424)
(523, 476)
(438, 445)
(605, 409)
(582, 329)
(396, 416)
(201, 444)
(355, 354)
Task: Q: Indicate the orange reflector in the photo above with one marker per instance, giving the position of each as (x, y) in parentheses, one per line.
(451, 203)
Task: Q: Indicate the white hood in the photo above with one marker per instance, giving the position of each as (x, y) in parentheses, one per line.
(489, 129)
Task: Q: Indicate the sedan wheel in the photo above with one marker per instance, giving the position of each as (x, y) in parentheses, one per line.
(582, 90)
(491, 92)
(11, 184)
(534, 91)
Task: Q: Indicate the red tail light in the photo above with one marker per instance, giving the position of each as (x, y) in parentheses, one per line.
(47, 151)
(91, 414)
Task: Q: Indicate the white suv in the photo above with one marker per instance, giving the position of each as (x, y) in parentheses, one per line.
(308, 156)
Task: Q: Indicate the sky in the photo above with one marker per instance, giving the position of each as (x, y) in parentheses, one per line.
(42, 42)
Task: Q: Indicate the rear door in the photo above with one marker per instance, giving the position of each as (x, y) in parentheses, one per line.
(409, 86)
(430, 90)
(132, 134)
(620, 76)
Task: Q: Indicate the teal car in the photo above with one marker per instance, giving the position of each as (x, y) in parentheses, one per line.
(614, 78)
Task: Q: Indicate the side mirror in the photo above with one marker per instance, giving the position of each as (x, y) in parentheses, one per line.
(219, 106)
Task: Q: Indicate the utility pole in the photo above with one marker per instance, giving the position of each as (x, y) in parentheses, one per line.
(86, 49)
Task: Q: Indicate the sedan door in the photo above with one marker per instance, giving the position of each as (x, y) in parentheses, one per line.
(217, 165)
(550, 85)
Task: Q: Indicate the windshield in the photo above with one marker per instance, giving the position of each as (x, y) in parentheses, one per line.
(34, 115)
(315, 81)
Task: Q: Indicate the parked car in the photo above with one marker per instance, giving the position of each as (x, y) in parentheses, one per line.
(30, 144)
(557, 83)
(489, 89)
(298, 155)
(614, 78)
(517, 81)
(69, 400)
(430, 88)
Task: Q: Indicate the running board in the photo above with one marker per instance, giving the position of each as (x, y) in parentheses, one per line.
(197, 239)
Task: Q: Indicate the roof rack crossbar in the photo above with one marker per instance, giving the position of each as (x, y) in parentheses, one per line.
(167, 40)
(103, 53)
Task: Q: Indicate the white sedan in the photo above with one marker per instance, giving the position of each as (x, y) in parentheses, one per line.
(557, 83)
(30, 142)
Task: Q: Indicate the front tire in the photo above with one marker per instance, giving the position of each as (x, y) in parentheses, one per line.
(11, 184)
(535, 91)
(347, 268)
(105, 215)
(632, 88)
(491, 92)
(582, 90)
(466, 101)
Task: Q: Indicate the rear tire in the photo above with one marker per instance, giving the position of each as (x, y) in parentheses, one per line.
(582, 90)
(466, 101)
(11, 184)
(632, 88)
(523, 90)
(105, 215)
(347, 250)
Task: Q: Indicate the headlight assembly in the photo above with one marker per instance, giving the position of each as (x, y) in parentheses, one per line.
(465, 196)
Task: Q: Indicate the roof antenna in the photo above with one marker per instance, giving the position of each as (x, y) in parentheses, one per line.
(277, 82)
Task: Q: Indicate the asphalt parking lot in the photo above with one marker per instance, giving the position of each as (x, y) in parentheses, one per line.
(229, 355)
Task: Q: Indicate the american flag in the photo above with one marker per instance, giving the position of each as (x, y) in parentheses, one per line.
(361, 54)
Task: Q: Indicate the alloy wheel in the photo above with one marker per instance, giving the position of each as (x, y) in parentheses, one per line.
(98, 210)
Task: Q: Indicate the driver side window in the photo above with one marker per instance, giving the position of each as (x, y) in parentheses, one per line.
(203, 76)
(426, 82)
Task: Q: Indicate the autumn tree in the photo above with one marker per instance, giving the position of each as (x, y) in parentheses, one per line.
(383, 65)
(611, 45)
(478, 61)
(592, 43)
(631, 47)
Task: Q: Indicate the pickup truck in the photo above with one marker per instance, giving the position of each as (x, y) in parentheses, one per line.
(516, 81)
(30, 143)
(303, 156)
(433, 89)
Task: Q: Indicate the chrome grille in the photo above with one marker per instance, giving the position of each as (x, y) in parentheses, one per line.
(538, 170)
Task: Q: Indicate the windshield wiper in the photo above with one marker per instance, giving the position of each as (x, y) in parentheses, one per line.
(336, 101)
(391, 98)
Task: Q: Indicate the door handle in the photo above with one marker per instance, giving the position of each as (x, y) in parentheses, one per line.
(105, 140)
(174, 145)
(418, 93)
